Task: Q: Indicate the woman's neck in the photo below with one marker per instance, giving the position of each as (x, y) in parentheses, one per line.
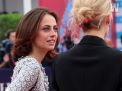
(98, 33)
(38, 54)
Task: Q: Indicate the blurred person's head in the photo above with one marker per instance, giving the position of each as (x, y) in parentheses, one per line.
(37, 30)
(93, 16)
(11, 33)
(12, 37)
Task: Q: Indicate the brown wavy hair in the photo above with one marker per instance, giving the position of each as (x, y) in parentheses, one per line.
(27, 30)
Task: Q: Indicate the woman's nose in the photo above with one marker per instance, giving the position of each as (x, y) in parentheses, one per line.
(53, 33)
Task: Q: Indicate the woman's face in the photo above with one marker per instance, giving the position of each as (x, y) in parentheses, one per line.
(48, 33)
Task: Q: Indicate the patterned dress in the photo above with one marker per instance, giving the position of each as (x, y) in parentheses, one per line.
(28, 75)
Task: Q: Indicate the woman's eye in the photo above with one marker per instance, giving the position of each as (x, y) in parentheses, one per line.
(56, 29)
(46, 29)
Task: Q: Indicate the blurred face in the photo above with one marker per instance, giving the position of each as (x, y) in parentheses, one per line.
(47, 34)
(12, 37)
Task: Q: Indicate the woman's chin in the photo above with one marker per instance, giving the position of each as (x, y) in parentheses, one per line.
(51, 48)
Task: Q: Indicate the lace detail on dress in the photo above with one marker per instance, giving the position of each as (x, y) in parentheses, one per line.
(27, 74)
(46, 83)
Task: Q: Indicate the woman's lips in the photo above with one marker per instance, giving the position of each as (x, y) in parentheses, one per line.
(52, 42)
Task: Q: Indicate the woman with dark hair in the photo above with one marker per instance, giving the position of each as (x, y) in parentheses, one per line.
(36, 38)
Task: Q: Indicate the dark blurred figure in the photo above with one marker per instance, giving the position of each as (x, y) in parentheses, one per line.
(68, 42)
(2, 52)
(121, 39)
(9, 41)
(7, 46)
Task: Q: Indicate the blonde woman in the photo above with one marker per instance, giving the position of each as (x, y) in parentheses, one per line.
(91, 65)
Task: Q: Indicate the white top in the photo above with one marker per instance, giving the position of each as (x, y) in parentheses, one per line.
(28, 75)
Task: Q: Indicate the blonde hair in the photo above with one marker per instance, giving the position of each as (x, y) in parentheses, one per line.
(89, 13)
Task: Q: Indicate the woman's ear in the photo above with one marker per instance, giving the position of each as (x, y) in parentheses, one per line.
(107, 19)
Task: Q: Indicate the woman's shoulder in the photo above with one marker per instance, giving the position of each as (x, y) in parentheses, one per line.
(28, 61)
(26, 73)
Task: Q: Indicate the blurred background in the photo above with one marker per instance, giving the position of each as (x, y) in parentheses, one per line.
(12, 10)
